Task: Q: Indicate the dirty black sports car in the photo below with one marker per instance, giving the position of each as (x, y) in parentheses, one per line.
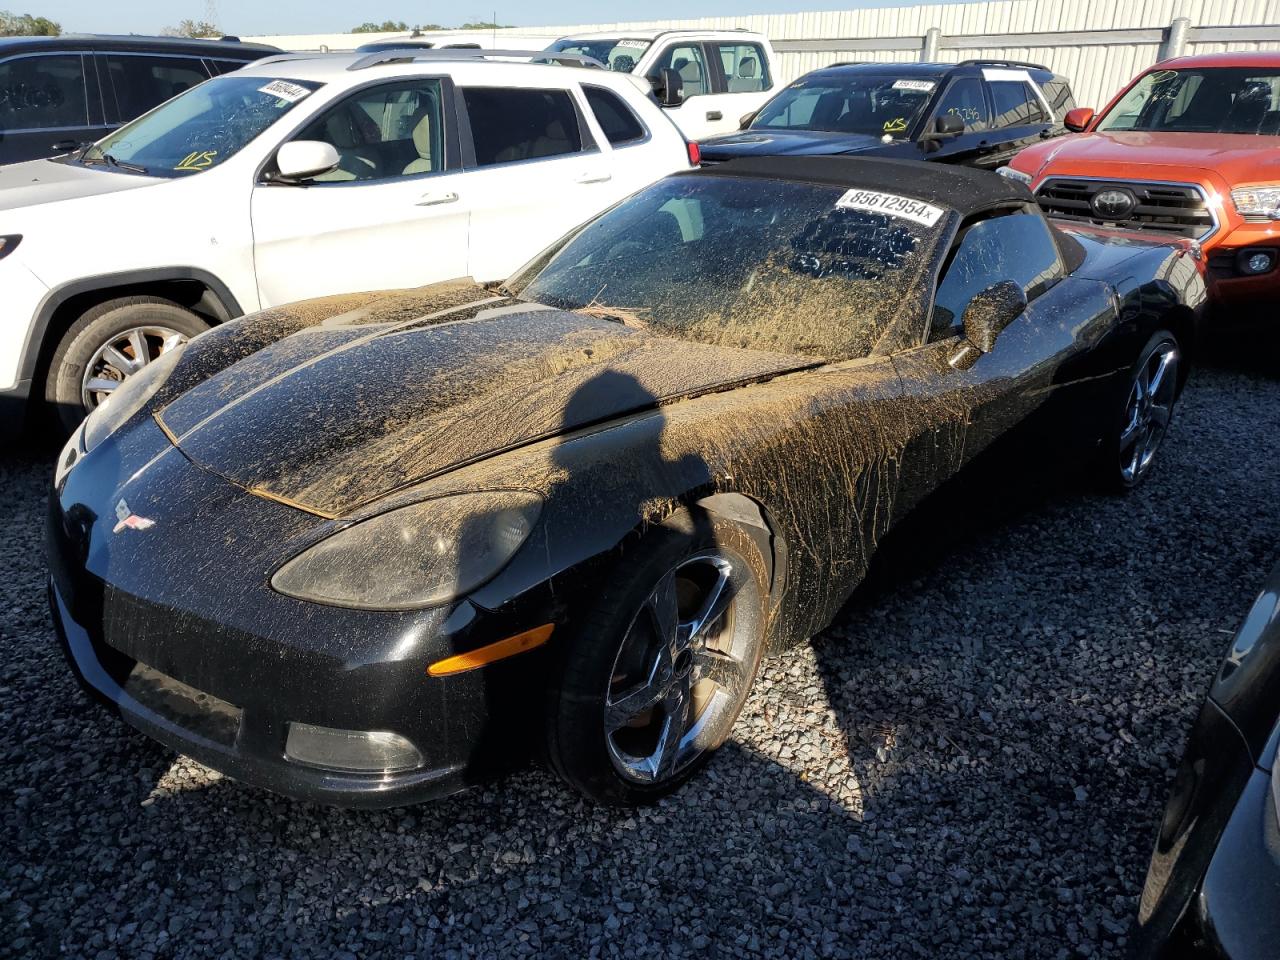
(369, 549)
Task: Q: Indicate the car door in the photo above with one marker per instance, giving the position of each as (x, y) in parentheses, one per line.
(971, 398)
(1019, 117)
(49, 104)
(634, 159)
(534, 172)
(742, 81)
(703, 112)
(393, 214)
(964, 98)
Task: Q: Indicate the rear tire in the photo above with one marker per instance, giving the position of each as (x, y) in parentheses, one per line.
(108, 343)
(1139, 424)
(652, 681)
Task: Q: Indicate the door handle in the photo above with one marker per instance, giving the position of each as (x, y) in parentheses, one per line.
(434, 199)
(594, 178)
(714, 115)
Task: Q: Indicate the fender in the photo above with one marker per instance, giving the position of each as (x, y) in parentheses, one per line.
(55, 298)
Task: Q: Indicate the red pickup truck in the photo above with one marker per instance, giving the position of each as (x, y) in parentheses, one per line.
(1190, 148)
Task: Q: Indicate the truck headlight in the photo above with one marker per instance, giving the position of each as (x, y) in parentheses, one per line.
(416, 556)
(1260, 201)
(1016, 175)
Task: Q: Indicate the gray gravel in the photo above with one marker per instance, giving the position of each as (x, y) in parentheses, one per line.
(970, 763)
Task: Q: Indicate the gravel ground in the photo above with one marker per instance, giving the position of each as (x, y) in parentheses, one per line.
(970, 763)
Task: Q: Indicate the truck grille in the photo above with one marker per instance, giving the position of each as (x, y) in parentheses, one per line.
(1178, 209)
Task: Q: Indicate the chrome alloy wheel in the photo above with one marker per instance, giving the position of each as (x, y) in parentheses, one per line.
(1147, 412)
(122, 356)
(683, 668)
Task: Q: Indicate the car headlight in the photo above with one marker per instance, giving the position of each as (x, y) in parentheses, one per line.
(416, 556)
(1017, 175)
(9, 244)
(1260, 201)
(123, 402)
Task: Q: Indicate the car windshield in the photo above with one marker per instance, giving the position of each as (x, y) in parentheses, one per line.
(752, 263)
(877, 106)
(1205, 100)
(201, 128)
(618, 54)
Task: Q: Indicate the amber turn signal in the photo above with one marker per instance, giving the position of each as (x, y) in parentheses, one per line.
(483, 656)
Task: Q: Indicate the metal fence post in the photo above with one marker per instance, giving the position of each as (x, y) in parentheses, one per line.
(1175, 40)
(932, 41)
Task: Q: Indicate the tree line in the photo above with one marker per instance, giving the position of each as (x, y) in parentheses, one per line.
(399, 26)
(25, 25)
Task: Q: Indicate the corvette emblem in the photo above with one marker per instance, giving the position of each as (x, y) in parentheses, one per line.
(130, 520)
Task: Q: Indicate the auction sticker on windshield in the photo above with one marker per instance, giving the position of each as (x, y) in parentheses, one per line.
(284, 90)
(923, 86)
(892, 204)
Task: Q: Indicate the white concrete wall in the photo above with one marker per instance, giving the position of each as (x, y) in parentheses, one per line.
(1097, 71)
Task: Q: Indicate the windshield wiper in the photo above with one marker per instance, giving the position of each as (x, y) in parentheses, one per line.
(108, 159)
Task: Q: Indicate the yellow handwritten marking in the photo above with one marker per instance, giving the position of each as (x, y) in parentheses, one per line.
(896, 125)
(199, 160)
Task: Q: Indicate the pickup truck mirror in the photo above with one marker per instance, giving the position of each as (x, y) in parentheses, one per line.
(1078, 120)
(301, 160)
(990, 311)
(669, 88)
(745, 120)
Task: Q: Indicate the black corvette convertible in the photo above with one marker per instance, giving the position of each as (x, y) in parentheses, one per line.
(369, 549)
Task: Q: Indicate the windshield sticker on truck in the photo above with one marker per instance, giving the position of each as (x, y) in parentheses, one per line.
(921, 86)
(199, 160)
(633, 44)
(905, 207)
(284, 90)
(896, 125)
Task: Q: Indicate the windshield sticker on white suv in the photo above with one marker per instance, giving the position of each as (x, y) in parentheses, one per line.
(895, 206)
(923, 86)
(633, 44)
(284, 90)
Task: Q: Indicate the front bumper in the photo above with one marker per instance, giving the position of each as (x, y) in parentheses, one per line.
(186, 599)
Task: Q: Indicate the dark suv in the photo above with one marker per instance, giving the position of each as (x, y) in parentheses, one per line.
(978, 112)
(59, 92)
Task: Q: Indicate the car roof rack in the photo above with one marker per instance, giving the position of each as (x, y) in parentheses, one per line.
(982, 62)
(419, 55)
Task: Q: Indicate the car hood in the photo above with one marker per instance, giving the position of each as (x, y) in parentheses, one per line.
(751, 143)
(1238, 158)
(327, 405)
(48, 181)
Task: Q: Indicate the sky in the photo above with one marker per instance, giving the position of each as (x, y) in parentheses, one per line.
(253, 17)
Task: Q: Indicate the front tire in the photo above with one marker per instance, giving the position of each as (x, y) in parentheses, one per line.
(109, 343)
(652, 682)
(1138, 428)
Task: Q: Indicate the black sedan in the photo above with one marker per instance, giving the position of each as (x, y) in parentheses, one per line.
(1213, 888)
(370, 549)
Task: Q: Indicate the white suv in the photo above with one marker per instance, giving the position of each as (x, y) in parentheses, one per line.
(299, 177)
(707, 80)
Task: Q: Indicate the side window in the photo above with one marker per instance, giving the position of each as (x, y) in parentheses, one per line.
(619, 124)
(965, 99)
(1017, 247)
(142, 82)
(745, 68)
(1015, 104)
(687, 60)
(800, 108)
(1058, 93)
(384, 132)
(43, 93)
(509, 125)
(227, 66)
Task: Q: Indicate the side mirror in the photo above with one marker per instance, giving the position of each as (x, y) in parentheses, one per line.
(944, 127)
(990, 311)
(301, 160)
(669, 88)
(1078, 120)
(745, 120)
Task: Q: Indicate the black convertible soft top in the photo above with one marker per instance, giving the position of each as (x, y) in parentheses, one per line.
(960, 188)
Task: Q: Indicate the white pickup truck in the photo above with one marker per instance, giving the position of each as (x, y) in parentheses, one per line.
(723, 74)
